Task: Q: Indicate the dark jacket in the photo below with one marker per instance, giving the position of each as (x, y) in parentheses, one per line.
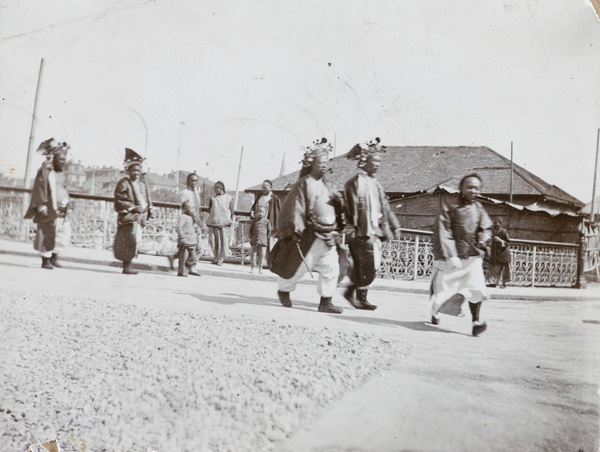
(125, 200)
(462, 229)
(41, 196)
(357, 206)
(500, 247)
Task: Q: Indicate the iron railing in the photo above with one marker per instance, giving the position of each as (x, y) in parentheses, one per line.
(409, 257)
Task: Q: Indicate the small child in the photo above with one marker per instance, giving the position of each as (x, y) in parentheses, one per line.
(260, 230)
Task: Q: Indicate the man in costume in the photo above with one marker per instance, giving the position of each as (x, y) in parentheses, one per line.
(188, 227)
(308, 227)
(132, 204)
(49, 204)
(370, 221)
(461, 235)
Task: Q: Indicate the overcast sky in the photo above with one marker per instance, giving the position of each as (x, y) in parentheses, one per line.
(209, 77)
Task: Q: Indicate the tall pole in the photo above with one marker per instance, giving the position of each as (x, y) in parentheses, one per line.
(237, 184)
(595, 174)
(334, 143)
(178, 152)
(31, 134)
(511, 172)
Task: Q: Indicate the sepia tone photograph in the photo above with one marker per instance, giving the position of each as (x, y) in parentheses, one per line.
(343, 226)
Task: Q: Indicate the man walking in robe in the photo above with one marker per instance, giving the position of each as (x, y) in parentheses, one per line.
(132, 204)
(308, 227)
(461, 235)
(369, 221)
(49, 204)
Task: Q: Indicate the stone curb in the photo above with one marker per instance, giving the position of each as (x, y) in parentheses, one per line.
(214, 270)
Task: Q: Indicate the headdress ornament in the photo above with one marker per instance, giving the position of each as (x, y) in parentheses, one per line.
(316, 148)
(50, 147)
(132, 158)
(362, 151)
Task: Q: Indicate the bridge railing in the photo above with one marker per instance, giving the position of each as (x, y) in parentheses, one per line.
(409, 257)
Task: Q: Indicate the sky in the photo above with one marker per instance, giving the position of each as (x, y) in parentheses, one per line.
(188, 84)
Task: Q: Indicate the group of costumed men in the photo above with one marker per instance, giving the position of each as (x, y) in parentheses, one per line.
(315, 223)
(317, 229)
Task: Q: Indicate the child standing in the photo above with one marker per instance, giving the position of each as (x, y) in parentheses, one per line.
(260, 230)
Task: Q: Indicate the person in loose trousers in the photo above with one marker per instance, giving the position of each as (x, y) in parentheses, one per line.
(461, 236)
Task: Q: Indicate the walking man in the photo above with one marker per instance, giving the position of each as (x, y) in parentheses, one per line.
(500, 256)
(308, 228)
(49, 204)
(370, 221)
(460, 236)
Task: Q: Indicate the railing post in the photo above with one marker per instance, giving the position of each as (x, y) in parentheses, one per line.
(416, 266)
(533, 258)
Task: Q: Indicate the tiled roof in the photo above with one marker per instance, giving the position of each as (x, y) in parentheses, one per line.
(416, 169)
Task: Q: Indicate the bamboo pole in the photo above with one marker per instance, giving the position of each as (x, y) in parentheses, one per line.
(511, 172)
(237, 184)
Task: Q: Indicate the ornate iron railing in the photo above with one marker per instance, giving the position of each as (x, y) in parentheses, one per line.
(409, 257)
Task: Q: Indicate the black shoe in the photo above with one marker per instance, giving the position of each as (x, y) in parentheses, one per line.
(434, 321)
(349, 294)
(54, 261)
(478, 328)
(362, 302)
(326, 306)
(46, 263)
(284, 298)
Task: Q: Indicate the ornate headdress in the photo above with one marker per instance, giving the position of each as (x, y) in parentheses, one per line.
(50, 147)
(132, 158)
(363, 151)
(316, 148)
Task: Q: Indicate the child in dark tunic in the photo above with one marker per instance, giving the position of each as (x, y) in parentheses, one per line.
(260, 230)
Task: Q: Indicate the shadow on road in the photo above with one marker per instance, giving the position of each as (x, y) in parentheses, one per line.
(233, 298)
(415, 326)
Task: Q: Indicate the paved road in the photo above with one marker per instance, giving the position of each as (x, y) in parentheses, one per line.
(529, 383)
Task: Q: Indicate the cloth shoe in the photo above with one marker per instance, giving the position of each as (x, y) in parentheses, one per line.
(128, 270)
(435, 320)
(46, 263)
(284, 298)
(193, 272)
(325, 305)
(54, 260)
(478, 328)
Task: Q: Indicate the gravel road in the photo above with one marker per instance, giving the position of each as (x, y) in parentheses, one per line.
(104, 376)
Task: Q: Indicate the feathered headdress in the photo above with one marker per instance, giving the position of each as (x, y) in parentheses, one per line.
(132, 158)
(316, 148)
(50, 147)
(363, 151)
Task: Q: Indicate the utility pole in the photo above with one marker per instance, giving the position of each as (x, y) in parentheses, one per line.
(511, 172)
(237, 184)
(31, 134)
(592, 212)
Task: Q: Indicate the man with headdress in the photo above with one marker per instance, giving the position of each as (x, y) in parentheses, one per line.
(188, 227)
(49, 204)
(132, 204)
(309, 222)
(370, 221)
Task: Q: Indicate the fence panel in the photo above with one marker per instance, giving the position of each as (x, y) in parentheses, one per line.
(409, 257)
